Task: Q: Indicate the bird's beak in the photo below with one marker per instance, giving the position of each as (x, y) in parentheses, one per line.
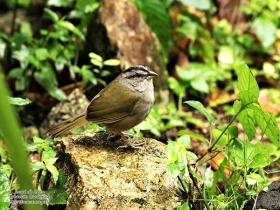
(153, 74)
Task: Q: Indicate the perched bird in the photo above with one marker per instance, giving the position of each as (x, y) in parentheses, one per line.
(121, 105)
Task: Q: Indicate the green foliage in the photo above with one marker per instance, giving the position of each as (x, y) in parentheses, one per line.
(4, 190)
(244, 160)
(13, 141)
(46, 57)
(57, 194)
(19, 101)
(156, 15)
(48, 156)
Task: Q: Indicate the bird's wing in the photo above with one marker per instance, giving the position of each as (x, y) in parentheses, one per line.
(109, 107)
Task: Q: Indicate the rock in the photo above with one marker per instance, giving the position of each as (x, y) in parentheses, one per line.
(267, 200)
(100, 176)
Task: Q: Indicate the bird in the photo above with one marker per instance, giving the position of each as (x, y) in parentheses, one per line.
(120, 106)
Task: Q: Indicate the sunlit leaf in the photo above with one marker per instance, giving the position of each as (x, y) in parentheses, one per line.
(265, 30)
(53, 16)
(112, 62)
(68, 25)
(19, 101)
(197, 105)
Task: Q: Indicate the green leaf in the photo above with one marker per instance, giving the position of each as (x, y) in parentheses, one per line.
(185, 141)
(174, 85)
(173, 168)
(47, 79)
(192, 135)
(222, 141)
(41, 54)
(171, 152)
(57, 194)
(191, 155)
(247, 82)
(267, 123)
(198, 4)
(185, 206)
(37, 165)
(245, 117)
(69, 26)
(96, 63)
(53, 171)
(60, 3)
(226, 56)
(200, 84)
(197, 176)
(53, 16)
(95, 57)
(4, 190)
(156, 15)
(47, 154)
(233, 131)
(15, 73)
(197, 105)
(19, 101)
(265, 30)
(7, 169)
(112, 62)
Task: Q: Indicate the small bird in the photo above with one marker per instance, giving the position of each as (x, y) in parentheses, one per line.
(121, 105)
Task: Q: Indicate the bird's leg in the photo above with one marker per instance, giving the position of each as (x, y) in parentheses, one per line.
(128, 143)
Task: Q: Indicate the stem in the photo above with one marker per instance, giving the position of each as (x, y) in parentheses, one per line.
(197, 188)
(213, 145)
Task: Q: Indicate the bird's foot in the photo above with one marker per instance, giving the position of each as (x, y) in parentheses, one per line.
(128, 143)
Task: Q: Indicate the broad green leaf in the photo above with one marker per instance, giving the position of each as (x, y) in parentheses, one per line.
(112, 62)
(265, 30)
(200, 84)
(37, 165)
(233, 131)
(247, 82)
(68, 25)
(197, 105)
(41, 54)
(245, 117)
(47, 79)
(185, 206)
(226, 56)
(60, 3)
(53, 16)
(171, 152)
(57, 194)
(96, 62)
(4, 190)
(192, 135)
(53, 171)
(19, 101)
(176, 86)
(95, 57)
(222, 141)
(191, 155)
(185, 141)
(7, 169)
(173, 168)
(198, 4)
(175, 122)
(15, 73)
(267, 123)
(48, 154)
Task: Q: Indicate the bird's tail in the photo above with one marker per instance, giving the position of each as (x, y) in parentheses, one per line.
(67, 126)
